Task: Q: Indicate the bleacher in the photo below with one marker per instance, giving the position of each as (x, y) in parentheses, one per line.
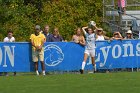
(131, 20)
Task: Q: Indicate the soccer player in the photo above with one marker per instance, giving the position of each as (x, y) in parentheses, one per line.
(37, 41)
(90, 46)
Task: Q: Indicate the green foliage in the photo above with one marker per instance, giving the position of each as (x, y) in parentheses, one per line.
(22, 15)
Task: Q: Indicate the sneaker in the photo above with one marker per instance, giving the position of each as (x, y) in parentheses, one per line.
(37, 73)
(43, 73)
(81, 71)
(94, 71)
(6, 74)
(1, 73)
(15, 73)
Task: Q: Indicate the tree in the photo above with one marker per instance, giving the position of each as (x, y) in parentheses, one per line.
(22, 15)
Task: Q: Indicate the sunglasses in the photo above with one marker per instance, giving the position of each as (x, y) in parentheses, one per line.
(116, 34)
(99, 30)
(55, 30)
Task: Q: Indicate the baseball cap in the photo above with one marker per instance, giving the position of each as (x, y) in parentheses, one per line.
(37, 27)
(129, 32)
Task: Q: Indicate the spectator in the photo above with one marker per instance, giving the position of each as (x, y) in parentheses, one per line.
(9, 38)
(37, 41)
(117, 36)
(78, 37)
(129, 35)
(122, 6)
(38, 26)
(56, 36)
(47, 34)
(100, 35)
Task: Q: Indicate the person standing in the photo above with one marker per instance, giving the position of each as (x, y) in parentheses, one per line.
(56, 37)
(47, 34)
(129, 35)
(122, 6)
(37, 41)
(9, 38)
(117, 36)
(78, 37)
(90, 47)
(100, 35)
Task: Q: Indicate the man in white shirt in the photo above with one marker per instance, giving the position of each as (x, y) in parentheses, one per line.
(9, 38)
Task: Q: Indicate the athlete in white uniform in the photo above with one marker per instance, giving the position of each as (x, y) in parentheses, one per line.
(90, 43)
(90, 47)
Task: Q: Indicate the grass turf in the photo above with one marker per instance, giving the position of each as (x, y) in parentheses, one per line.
(124, 82)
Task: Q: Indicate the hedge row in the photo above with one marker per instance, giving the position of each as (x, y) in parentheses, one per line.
(22, 15)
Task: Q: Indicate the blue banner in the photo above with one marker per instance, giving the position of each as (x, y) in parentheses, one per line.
(63, 56)
(15, 57)
(68, 56)
(118, 54)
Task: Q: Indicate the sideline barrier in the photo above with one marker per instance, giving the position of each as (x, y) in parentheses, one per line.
(68, 56)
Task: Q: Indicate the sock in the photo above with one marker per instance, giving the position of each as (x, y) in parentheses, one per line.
(94, 67)
(83, 65)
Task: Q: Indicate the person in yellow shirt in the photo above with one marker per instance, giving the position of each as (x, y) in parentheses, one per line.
(37, 41)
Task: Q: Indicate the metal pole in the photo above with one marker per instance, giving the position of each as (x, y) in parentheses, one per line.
(103, 10)
(139, 34)
(113, 3)
(120, 15)
(113, 9)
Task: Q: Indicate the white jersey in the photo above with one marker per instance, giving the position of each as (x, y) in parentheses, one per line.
(90, 41)
(100, 38)
(6, 39)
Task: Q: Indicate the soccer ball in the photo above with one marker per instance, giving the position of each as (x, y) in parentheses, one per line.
(91, 24)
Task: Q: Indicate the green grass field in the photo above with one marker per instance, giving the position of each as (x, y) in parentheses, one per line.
(123, 82)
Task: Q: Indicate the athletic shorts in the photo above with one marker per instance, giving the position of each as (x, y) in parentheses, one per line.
(38, 55)
(90, 52)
